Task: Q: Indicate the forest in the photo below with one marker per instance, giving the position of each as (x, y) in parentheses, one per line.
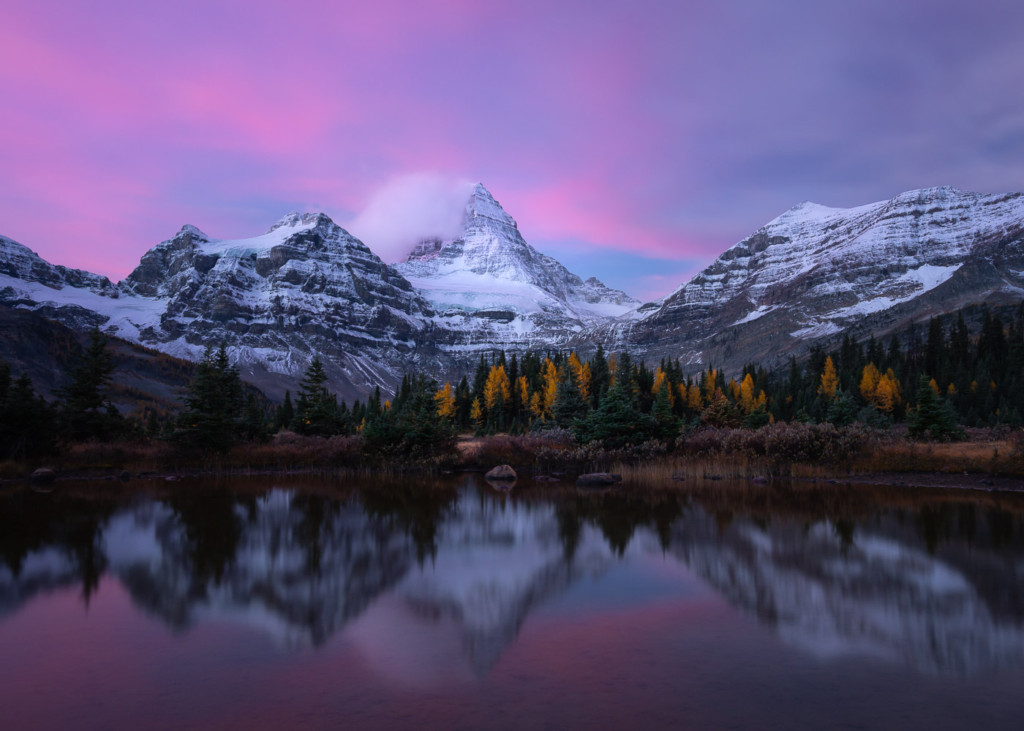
(936, 380)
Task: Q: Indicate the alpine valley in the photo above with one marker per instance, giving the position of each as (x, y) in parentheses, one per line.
(307, 287)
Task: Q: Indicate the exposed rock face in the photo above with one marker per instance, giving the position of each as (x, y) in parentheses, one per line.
(305, 287)
(492, 289)
(816, 271)
(308, 287)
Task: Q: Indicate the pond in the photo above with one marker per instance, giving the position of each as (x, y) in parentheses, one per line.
(266, 603)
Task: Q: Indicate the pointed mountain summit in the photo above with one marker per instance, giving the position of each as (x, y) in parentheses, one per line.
(490, 286)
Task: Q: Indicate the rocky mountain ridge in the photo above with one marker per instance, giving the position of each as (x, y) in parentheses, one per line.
(815, 272)
(308, 287)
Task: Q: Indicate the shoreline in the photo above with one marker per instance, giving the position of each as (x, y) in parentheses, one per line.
(534, 479)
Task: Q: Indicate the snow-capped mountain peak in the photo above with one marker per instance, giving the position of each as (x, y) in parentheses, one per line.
(491, 285)
(481, 204)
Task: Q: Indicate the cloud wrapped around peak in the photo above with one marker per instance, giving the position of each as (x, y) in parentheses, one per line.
(409, 208)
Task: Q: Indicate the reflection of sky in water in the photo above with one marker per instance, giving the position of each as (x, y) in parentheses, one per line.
(636, 580)
(510, 598)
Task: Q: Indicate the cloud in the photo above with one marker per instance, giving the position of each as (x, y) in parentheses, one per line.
(409, 208)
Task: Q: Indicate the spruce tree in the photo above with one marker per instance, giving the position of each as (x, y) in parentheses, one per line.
(212, 417)
(85, 411)
(317, 413)
(615, 422)
(932, 416)
(569, 404)
(666, 424)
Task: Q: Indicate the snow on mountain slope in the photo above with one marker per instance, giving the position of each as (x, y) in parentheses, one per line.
(493, 288)
(77, 297)
(815, 271)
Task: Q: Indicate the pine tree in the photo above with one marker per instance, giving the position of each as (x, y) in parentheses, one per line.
(932, 416)
(213, 407)
(85, 410)
(27, 422)
(615, 422)
(317, 413)
(285, 413)
(666, 424)
(570, 404)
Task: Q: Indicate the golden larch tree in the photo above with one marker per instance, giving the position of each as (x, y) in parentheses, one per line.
(829, 380)
(445, 400)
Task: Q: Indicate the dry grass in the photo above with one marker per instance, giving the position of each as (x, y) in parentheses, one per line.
(992, 457)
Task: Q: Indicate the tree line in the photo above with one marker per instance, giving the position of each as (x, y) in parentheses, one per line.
(935, 379)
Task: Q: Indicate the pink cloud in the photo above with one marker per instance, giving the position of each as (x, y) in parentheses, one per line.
(125, 123)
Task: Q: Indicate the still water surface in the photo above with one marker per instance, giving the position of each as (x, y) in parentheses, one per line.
(248, 605)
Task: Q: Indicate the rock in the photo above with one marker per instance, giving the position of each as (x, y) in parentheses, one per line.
(124, 476)
(545, 478)
(760, 480)
(679, 477)
(501, 473)
(43, 476)
(598, 479)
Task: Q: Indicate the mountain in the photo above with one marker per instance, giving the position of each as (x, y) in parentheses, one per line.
(307, 287)
(815, 272)
(491, 289)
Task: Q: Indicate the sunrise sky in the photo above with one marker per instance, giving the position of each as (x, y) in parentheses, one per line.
(634, 141)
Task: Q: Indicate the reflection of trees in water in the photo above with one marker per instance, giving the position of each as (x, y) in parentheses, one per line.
(213, 528)
(315, 560)
(30, 522)
(418, 512)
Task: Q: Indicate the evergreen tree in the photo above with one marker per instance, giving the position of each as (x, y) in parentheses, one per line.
(285, 413)
(318, 413)
(569, 404)
(213, 406)
(27, 422)
(254, 420)
(599, 376)
(85, 411)
(842, 411)
(666, 424)
(615, 422)
(932, 417)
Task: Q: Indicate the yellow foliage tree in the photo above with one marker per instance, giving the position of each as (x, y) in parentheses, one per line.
(476, 413)
(885, 398)
(524, 393)
(613, 364)
(661, 379)
(497, 389)
(747, 399)
(582, 372)
(829, 380)
(694, 400)
(445, 400)
(710, 383)
(537, 405)
(550, 377)
(869, 382)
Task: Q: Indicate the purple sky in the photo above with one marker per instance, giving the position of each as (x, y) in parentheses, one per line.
(632, 141)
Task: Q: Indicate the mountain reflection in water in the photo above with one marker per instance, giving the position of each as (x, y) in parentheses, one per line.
(454, 573)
